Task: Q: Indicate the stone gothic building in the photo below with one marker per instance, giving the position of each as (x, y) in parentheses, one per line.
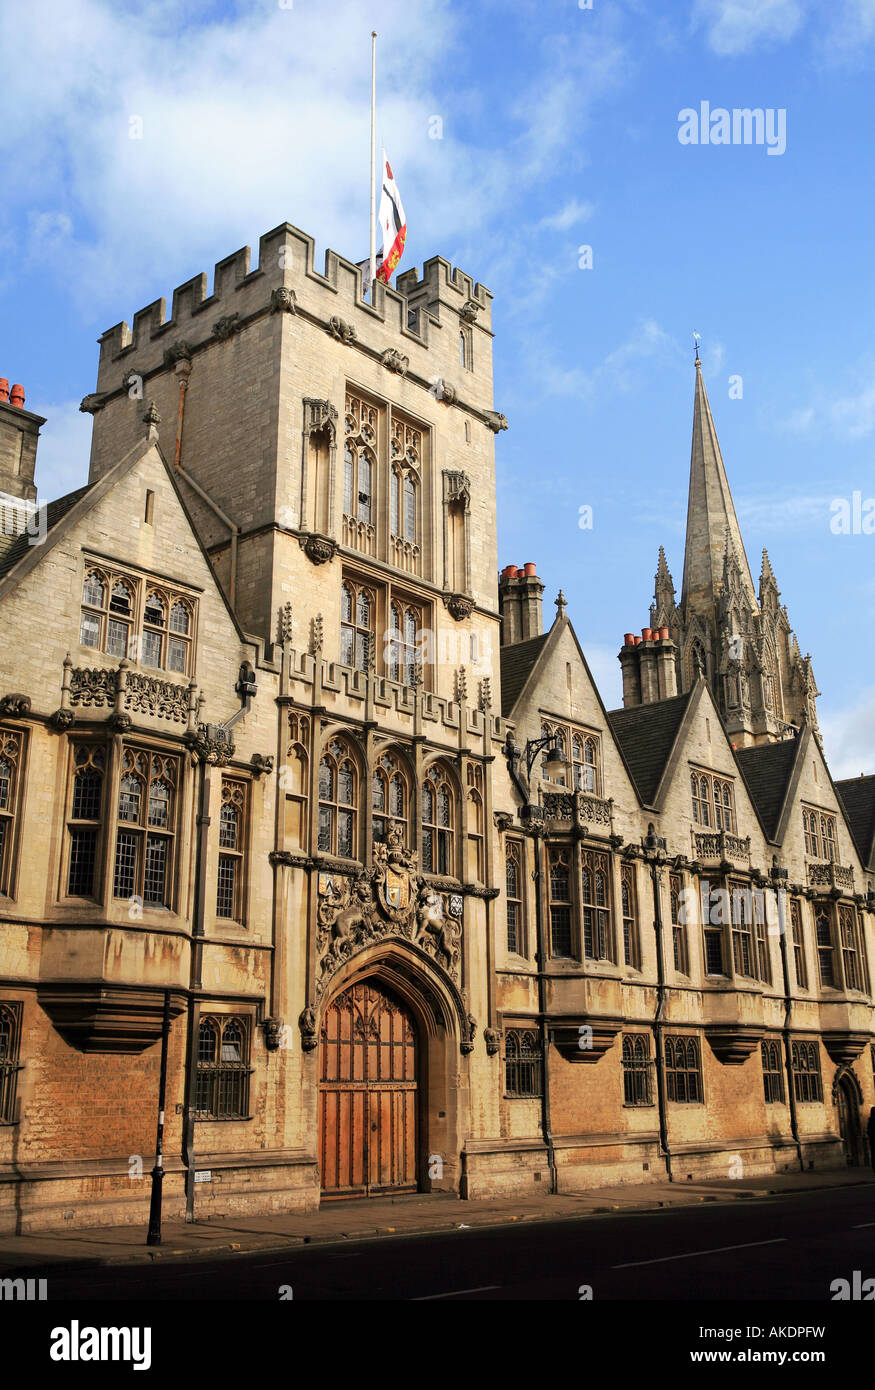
(295, 782)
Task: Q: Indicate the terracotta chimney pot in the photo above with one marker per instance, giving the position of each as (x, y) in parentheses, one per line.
(4, 389)
(16, 396)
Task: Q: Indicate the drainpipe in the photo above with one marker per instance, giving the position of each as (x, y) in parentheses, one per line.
(513, 754)
(541, 963)
(183, 371)
(246, 688)
(779, 875)
(654, 853)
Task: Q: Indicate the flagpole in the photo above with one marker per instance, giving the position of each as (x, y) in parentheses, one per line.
(373, 166)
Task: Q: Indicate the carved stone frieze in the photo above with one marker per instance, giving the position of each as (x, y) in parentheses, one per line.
(93, 687)
(151, 695)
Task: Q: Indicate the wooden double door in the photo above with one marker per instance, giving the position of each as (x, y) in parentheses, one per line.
(368, 1094)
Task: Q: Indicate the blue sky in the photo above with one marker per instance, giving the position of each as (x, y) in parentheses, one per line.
(560, 129)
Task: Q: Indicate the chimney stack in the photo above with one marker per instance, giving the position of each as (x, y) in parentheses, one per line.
(649, 665)
(19, 432)
(520, 594)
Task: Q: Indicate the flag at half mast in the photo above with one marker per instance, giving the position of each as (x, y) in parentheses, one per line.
(392, 221)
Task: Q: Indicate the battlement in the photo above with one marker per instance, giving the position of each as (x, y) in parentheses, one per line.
(286, 260)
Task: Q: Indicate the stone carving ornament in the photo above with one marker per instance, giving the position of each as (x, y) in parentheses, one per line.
(390, 900)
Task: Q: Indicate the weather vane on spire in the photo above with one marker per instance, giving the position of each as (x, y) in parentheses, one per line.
(697, 336)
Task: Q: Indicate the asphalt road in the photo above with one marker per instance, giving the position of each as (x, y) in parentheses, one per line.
(764, 1249)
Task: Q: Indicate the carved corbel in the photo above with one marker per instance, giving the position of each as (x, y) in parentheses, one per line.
(283, 301)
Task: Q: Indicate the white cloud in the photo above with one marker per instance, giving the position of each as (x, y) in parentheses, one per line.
(568, 216)
(64, 447)
(849, 737)
(854, 415)
(792, 512)
(233, 143)
(737, 26)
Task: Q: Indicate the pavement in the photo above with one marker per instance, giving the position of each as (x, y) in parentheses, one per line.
(367, 1219)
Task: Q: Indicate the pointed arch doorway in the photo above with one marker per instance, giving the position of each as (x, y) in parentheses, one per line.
(849, 1120)
(368, 1093)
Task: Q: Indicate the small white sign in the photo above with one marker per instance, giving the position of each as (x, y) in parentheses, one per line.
(205, 1175)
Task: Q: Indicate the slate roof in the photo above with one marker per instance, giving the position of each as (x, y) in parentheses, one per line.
(14, 547)
(857, 795)
(517, 663)
(767, 769)
(646, 735)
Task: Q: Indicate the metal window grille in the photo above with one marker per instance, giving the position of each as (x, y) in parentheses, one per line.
(773, 1075)
(637, 1070)
(83, 860)
(805, 1065)
(683, 1070)
(10, 1041)
(522, 1063)
(223, 1071)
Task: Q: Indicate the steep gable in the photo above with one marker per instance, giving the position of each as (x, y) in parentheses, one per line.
(767, 770)
(857, 795)
(646, 735)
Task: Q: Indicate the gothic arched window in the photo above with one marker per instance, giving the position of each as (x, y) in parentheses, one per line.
(390, 799)
(358, 620)
(338, 801)
(438, 822)
(145, 837)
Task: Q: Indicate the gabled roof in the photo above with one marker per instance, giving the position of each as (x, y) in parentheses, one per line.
(857, 795)
(767, 770)
(14, 547)
(68, 511)
(646, 735)
(517, 663)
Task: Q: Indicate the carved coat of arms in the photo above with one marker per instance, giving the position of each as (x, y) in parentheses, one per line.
(391, 900)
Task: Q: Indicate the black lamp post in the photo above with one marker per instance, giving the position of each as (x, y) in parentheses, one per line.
(555, 763)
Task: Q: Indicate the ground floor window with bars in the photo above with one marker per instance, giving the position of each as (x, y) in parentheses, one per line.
(223, 1070)
(10, 1041)
(773, 1075)
(683, 1070)
(637, 1083)
(522, 1063)
(805, 1064)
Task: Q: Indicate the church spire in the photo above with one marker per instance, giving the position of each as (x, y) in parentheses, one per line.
(710, 516)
